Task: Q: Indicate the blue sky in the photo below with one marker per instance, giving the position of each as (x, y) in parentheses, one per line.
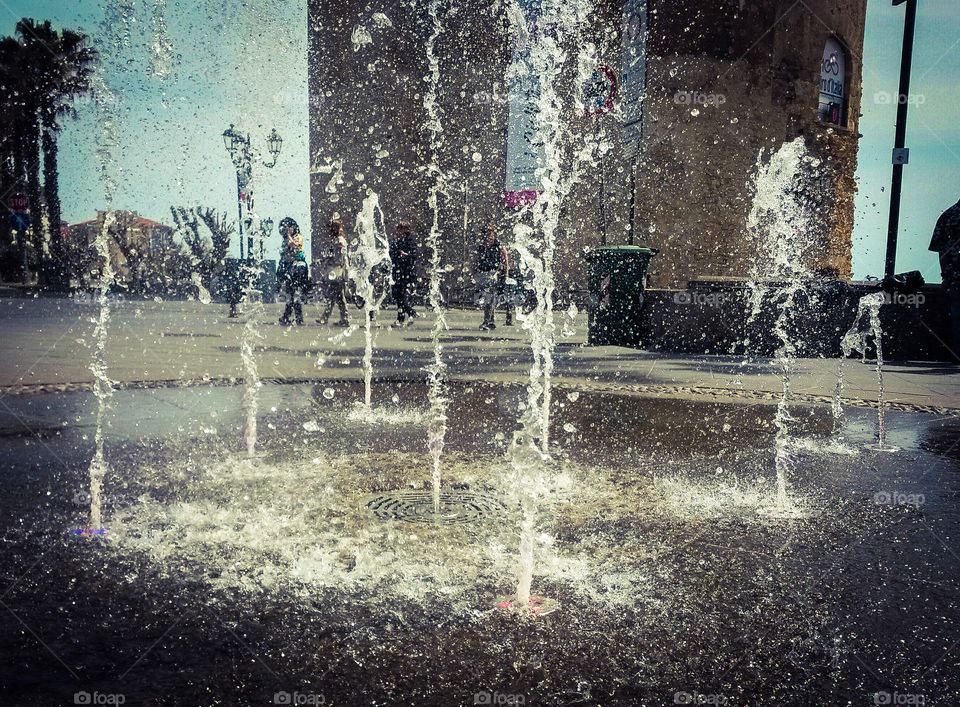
(246, 63)
(932, 179)
(230, 64)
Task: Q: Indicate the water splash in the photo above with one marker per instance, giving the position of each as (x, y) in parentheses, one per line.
(335, 170)
(114, 35)
(537, 75)
(371, 260)
(836, 406)
(102, 385)
(780, 223)
(865, 325)
(203, 295)
(436, 371)
(253, 305)
(161, 57)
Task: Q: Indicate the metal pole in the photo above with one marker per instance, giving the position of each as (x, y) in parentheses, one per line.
(600, 214)
(239, 216)
(466, 214)
(633, 193)
(603, 214)
(902, 101)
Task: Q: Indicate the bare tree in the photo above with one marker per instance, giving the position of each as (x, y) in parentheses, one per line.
(206, 253)
(220, 231)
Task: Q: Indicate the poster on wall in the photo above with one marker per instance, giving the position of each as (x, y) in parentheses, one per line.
(525, 152)
(634, 70)
(832, 83)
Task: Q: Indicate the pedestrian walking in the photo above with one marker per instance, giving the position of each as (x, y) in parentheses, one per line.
(403, 254)
(509, 292)
(946, 242)
(334, 272)
(293, 278)
(493, 264)
(234, 275)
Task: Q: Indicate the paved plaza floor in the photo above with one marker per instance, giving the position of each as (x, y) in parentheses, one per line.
(47, 345)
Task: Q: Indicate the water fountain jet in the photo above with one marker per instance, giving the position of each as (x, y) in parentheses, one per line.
(372, 258)
(539, 40)
(781, 224)
(867, 324)
(436, 370)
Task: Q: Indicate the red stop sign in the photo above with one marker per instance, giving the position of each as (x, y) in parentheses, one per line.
(19, 202)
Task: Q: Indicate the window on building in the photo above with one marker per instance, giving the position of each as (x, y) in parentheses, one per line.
(833, 84)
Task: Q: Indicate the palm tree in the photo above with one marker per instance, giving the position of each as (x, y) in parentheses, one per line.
(62, 69)
(15, 88)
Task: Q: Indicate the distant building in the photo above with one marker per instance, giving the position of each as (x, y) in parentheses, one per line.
(131, 237)
(724, 79)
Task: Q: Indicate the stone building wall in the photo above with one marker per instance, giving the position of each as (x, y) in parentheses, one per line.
(759, 61)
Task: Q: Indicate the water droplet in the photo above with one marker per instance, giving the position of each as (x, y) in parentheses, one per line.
(328, 393)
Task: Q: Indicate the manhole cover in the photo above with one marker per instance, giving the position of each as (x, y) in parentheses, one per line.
(417, 506)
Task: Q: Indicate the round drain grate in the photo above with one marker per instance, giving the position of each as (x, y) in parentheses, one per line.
(417, 507)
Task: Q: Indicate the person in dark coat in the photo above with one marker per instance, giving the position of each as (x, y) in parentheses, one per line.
(234, 277)
(946, 242)
(403, 254)
(293, 277)
(334, 273)
(493, 264)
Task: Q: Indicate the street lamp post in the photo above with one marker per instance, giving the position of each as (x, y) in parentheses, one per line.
(266, 228)
(900, 153)
(241, 153)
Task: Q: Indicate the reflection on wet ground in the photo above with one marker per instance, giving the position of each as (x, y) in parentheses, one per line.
(229, 579)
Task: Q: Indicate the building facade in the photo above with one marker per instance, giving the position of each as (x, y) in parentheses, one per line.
(132, 240)
(725, 81)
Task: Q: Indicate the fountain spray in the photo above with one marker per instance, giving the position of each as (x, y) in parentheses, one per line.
(780, 223)
(161, 57)
(865, 324)
(436, 370)
(116, 34)
(251, 334)
(373, 252)
(539, 74)
(102, 385)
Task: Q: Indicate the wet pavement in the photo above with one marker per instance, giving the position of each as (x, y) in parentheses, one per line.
(223, 580)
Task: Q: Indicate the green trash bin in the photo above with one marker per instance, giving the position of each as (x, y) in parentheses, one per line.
(616, 281)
